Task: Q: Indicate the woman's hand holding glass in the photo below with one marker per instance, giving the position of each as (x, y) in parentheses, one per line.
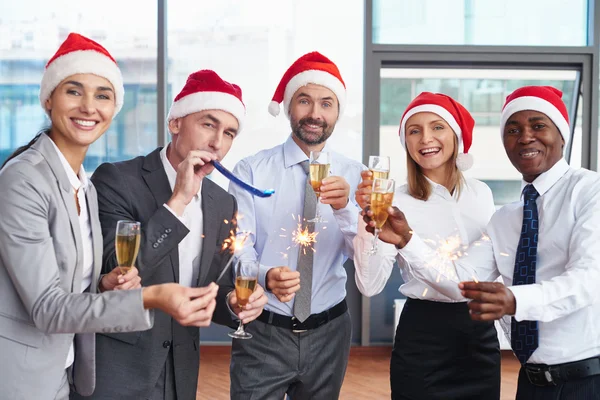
(382, 195)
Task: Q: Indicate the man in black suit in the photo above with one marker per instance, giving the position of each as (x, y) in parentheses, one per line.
(185, 221)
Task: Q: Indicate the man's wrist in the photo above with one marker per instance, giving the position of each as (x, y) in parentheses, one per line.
(344, 206)
(404, 239)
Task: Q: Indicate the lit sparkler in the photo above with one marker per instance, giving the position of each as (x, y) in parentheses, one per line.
(304, 238)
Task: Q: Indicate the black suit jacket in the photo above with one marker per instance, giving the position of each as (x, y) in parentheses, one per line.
(129, 364)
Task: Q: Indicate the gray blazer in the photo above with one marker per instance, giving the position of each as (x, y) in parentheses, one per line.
(41, 309)
(129, 364)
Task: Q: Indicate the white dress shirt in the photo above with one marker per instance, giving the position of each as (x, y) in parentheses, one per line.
(565, 298)
(272, 221)
(80, 185)
(190, 248)
(444, 221)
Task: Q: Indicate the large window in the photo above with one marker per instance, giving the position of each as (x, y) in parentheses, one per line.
(252, 43)
(31, 31)
(482, 92)
(472, 22)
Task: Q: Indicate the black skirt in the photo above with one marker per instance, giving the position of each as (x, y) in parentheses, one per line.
(441, 353)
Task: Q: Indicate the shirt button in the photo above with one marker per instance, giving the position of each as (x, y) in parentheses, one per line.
(164, 235)
(166, 344)
(155, 245)
(168, 230)
(160, 240)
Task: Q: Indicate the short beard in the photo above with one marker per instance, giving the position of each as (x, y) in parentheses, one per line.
(304, 137)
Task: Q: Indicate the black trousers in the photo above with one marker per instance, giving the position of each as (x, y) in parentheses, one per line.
(579, 389)
(440, 353)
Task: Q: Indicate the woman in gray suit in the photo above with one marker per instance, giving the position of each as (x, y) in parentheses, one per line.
(51, 298)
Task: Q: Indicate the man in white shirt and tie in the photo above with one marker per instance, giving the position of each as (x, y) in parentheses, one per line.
(185, 220)
(545, 248)
(301, 342)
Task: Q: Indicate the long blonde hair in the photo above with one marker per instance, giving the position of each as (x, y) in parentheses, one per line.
(418, 185)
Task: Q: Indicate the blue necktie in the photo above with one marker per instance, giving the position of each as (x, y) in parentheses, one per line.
(524, 334)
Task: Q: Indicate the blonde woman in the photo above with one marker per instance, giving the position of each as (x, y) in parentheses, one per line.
(439, 352)
(51, 242)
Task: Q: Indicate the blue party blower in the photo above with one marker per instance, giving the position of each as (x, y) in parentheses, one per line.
(257, 192)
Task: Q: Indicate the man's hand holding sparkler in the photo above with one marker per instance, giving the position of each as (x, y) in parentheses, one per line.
(490, 300)
(253, 308)
(335, 191)
(395, 230)
(283, 283)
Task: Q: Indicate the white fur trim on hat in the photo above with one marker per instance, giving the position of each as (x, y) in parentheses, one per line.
(536, 104)
(464, 161)
(439, 110)
(201, 101)
(82, 62)
(316, 77)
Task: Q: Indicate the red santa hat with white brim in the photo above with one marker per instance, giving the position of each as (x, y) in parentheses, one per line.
(312, 68)
(544, 99)
(205, 90)
(80, 55)
(457, 116)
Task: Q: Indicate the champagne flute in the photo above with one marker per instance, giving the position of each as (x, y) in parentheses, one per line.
(379, 166)
(319, 170)
(246, 279)
(381, 199)
(127, 244)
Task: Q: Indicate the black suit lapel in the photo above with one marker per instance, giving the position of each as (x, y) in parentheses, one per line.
(156, 179)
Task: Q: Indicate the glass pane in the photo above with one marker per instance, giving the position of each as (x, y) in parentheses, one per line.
(30, 33)
(237, 41)
(470, 22)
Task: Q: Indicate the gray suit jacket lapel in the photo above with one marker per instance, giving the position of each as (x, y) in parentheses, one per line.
(46, 148)
(92, 203)
(210, 229)
(158, 183)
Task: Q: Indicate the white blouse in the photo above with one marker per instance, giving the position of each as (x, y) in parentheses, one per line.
(447, 223)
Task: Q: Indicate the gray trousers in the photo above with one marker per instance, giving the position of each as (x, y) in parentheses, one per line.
(165, 386)
(276, 361)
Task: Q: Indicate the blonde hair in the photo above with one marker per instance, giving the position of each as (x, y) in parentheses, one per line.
(418, 185)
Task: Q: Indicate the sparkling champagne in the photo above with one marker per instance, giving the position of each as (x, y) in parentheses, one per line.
(380, 202)
(127, 247)
(244, 287)
(318, 172)
(380, 174)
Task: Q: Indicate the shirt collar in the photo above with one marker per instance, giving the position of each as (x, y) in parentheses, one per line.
(545, 181)
(77, 180)
(170, 171)
(293, 154)
(440, 189)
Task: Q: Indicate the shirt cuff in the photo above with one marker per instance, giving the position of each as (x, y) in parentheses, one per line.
(529, 301)
(173, 212)
(415, 251)
(346, 217)
(262, 276)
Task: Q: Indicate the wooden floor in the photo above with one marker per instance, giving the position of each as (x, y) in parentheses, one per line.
(367, 376)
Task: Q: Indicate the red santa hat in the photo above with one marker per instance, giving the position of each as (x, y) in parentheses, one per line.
(457, 116)
(544, 99)
(80, 55)
(205, 90)
(310, 68)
